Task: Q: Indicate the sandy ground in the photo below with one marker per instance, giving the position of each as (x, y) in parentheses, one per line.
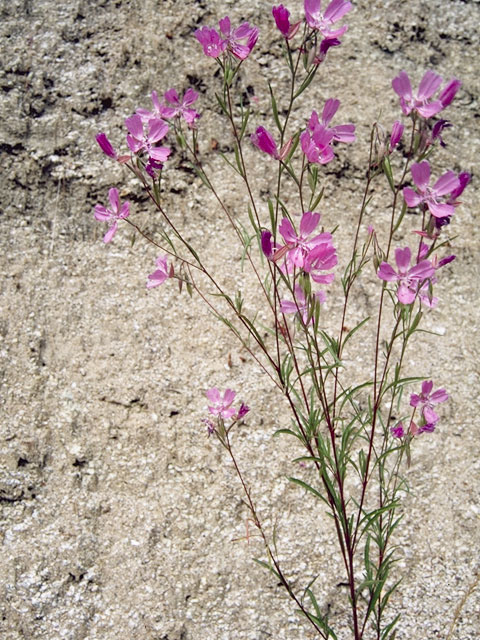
(119, 518)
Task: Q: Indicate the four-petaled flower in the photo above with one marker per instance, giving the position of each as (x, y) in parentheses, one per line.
(446, 184)
(421, 102)
(114, 214)
(221, 405)
(301, 304)
(323, 21)
(159, 276)
(298, 246)
(409, 278)
(180, 107)
(239, 41)
(425, 402)
(138, 140)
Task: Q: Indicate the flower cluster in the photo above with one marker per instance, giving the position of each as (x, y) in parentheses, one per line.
(312, 254)
(318, 21)
(316, 140)
(422, 102)
(239, 42)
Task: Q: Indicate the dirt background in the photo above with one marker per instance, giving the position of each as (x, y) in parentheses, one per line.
(119, 518)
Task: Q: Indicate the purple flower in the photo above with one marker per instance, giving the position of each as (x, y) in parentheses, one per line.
(448, 93)
(437, 129)
(105, 145)
(138, 141)
(341, 132)
(421, 102)
(446, 184)
(396, 135)
(324, 21)
(316, 145)
(221, 405)
(282, 20)
(114, 214)
(321, 258)
(325, 45)
(300, 245)
(240, 41)
(463, 179)
(409, 278)
(155, 114)
(300, 304)
(263, 139)
(426, 402)
(398, 430)
(181, 108)
(242, 412)
(159, 276)
(212, 43)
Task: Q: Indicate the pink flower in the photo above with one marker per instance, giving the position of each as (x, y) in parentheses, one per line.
(105, 145)
(341, 132)
(398, 430)
(181, 108)
(240, 41)
(446, 184)
(409, 278)
(159, 276)
(324, 46)
(282, 20)
(426, 402)
(212, 43)
(138, 140)
(324, 21)
(155, 114)
(421, 102)
(316, 145)
(396, 135)
(263, 139)
(221, 405)
(300, 304)
(114, 214)
(298, 246)
(321, 258)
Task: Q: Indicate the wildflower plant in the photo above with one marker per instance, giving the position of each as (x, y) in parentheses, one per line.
(357, 436)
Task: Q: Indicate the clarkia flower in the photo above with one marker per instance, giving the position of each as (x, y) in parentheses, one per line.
(221, 405)
(425, 402)
(430, 196)
(282, 20)
(323, 22)
(421, 102)
(396, 135)
(318, 136)
(437, 129)
(105, 145)
(301, 304)
(161, 274)
(213, 45)
(138, 140)
(341, 132)
(263, 140)
(240, 41)
(316, 145)
(321, 258)
(298, 246)
(409, 278)
(324, 46)
(398, 430)
(112, 215)
(180, 107)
